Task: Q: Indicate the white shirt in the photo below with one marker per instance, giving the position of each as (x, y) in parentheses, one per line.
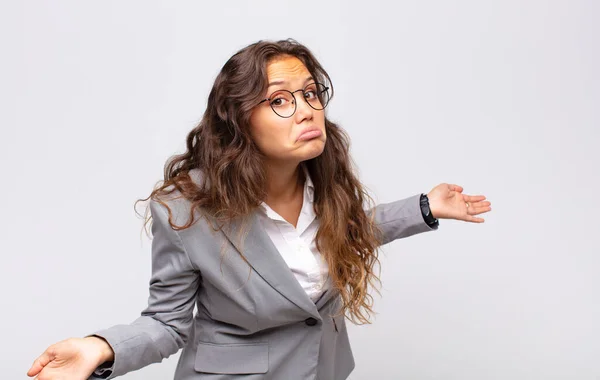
(297, 244)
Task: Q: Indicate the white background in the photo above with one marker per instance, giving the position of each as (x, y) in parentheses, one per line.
(500, 97)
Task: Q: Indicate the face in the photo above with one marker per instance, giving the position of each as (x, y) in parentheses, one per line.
(296, 138)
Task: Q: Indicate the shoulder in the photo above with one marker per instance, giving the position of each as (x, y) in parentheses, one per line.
(197, 176)
(175, 205)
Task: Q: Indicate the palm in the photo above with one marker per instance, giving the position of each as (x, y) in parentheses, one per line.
(73, 358)
(448, 202)
(73, 367)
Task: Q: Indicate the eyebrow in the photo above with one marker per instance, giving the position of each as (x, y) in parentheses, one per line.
(284, 81)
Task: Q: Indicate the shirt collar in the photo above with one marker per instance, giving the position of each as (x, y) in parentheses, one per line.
(309, 187)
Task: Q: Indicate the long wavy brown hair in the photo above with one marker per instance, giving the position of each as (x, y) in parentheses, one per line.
(234, 177)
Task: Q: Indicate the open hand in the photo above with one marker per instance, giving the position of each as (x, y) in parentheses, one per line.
(448, 202)
(73, 359)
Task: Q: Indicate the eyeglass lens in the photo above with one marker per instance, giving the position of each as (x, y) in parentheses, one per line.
(284, 105)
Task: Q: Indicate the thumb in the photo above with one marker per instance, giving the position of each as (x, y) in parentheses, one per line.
(456, 188)
(41, 362)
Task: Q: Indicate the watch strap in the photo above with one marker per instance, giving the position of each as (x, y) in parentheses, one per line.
(426, 212)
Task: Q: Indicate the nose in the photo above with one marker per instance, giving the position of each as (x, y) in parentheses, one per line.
(303, 110)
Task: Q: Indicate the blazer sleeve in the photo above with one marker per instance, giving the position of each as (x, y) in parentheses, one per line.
(400, 219)
(164, 325)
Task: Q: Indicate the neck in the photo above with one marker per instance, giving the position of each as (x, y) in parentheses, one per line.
(283, 181)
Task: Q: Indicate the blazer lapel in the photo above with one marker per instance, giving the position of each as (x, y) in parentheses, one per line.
(266, 260)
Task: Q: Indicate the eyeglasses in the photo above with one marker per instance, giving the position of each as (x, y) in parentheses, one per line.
(283, 102)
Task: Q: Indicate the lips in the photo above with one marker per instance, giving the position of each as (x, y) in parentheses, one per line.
(309, 134)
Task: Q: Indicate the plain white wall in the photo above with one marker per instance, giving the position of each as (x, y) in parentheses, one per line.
(500, 97)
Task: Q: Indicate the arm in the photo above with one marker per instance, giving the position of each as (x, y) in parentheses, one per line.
(164, 326)
(405, 218)
(400, 219)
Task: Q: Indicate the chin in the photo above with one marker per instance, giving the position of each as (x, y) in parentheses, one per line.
(313, 149)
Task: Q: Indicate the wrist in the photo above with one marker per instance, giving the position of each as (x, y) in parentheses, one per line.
(433, 206)
(105, 351)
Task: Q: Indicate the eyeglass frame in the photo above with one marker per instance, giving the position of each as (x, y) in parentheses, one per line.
(296, 101)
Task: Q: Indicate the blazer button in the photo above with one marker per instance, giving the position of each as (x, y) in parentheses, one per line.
(311, 321)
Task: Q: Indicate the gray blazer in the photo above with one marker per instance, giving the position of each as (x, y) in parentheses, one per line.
(253, 320)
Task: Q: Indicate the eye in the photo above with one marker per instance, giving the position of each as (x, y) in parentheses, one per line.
(281, 99)
(310, 94)
(278, 102)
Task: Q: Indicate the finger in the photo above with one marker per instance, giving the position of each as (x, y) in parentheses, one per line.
(478, 210)
(478, 205)
(40, 363)
(473, 198)
(456, 188)
(474, 219)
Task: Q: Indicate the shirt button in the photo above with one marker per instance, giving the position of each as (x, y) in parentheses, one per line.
(310, 321)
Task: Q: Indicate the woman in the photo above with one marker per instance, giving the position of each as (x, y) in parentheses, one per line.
(261, 225)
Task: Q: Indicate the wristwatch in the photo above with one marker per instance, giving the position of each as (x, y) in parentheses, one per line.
(426, 212)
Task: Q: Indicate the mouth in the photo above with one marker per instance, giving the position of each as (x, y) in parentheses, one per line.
(309, 134)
